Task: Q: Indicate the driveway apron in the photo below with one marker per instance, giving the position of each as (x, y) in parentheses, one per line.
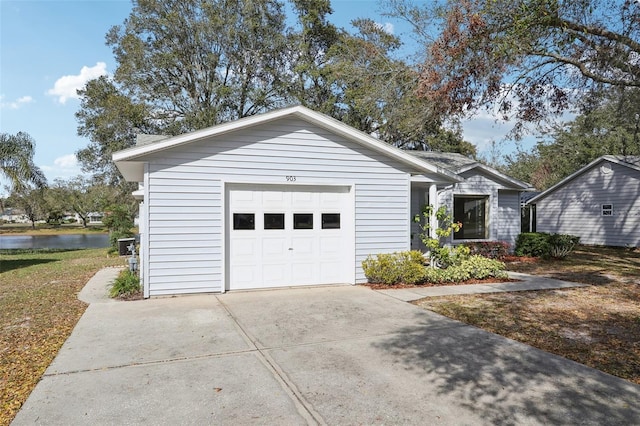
(325, 355)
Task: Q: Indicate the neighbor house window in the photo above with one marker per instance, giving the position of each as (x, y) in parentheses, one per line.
(472, 212)
(607, 210)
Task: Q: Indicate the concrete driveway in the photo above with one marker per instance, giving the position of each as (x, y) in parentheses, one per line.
(331, 355)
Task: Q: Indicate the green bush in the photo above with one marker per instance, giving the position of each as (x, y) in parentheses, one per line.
(126, 284)
(474, 267)
(540, 244)
(394, 268)
(534, 244)
(560, 245)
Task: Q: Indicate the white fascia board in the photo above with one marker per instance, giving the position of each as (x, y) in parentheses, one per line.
(129, 155)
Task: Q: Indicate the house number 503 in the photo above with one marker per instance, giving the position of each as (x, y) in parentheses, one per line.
(290, 178)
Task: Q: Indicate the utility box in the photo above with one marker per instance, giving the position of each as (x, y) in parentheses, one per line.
(123, 246)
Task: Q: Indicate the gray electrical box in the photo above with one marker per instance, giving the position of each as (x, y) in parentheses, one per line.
(123, 246)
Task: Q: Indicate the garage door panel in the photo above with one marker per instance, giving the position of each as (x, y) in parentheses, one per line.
(243, 248)
(275, 250)
(330, 246)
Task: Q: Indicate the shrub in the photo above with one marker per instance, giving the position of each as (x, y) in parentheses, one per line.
(119, 222)
(490, 249)
(534, 244)
(540, 244)
(394, 268)
(126, 284)
(474, 267)
(560, 245)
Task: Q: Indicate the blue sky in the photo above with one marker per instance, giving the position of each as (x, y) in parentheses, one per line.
(50, 48)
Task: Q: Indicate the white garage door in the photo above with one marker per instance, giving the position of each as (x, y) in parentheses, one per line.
(288, 236)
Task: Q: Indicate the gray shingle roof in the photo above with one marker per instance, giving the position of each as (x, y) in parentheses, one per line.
(449, 161)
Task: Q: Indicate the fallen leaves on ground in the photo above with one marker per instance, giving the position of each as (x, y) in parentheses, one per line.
(598, 326)
(38, 310)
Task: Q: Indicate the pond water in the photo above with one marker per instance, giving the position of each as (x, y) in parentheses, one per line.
(67, 241)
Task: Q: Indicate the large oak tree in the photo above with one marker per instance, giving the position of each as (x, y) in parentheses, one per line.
(531, 58)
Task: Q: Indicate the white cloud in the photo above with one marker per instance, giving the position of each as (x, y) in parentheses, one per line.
(66, 161)
(24, 100)
(63, 167)
(66, 87)
(387, 27)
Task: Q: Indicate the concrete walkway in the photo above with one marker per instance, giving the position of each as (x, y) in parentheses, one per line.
(526, 283)
(326, 355)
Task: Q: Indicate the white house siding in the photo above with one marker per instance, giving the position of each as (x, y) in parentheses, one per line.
(576, 207)
(185, 202)
(508, 223)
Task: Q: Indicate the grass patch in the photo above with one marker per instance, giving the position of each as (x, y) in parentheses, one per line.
(598, 326)
(38, 310)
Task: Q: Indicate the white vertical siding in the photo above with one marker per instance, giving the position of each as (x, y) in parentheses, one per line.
(576, 207)
(185, 196)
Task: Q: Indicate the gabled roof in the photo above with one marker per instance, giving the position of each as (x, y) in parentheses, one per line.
(458, 163)
(131, 161)
(630, 161)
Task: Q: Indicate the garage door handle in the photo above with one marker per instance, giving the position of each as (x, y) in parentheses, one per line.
(290, 248)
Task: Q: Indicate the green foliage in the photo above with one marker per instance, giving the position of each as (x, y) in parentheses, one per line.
(534, 244)
(440, 256)
(560, 245)
(409, 268)
(474, 267)
(126, 284)
(16, 162)
(119, 222)
(540, 244)
(394, 268)
(490, 249)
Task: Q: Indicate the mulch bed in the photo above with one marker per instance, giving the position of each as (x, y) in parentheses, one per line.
(380, 286)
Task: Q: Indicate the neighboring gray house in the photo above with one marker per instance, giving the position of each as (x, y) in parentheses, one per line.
(486, 202)
(600, 203)
(286, 198)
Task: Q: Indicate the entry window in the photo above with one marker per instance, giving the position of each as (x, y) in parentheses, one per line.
(607, 210)
(330, 220)
(472, 212)
(302, 221)
(242, 221)
(274, 221)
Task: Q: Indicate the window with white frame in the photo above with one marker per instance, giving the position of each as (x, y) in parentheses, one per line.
(473, 212)
(607, 210)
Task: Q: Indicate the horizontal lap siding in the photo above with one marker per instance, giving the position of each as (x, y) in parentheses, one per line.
(508, 223)
(575, 208)
(186, 207)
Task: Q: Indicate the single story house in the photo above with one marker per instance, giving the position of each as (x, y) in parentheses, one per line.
(290, 197)
(600, 203)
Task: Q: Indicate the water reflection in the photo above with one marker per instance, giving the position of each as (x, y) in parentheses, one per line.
(68, 241)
